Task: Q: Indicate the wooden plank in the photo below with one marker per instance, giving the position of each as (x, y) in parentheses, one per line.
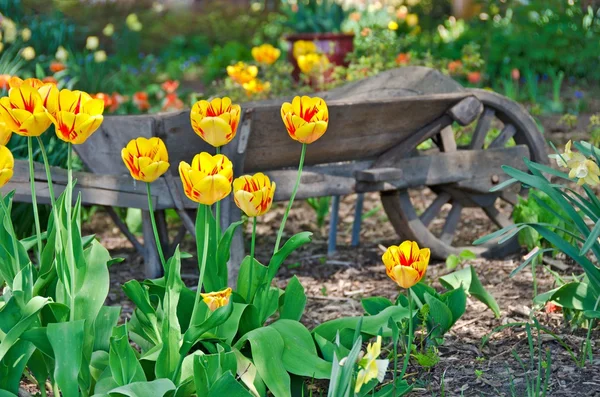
(447, 141)
(434, 208)
(378, 174)
(482, 128)
(451, 223)
(444, 168)
(501, 140)
(466, 111)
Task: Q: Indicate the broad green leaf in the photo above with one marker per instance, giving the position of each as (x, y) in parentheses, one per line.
(299, 351)
(267, 351)
(440, 317)
(294, 301)
(456, 300)
(402, 389)
(250, 277)
(592, 314)
(371, 325)
(215, 276)
(246, 370)
(194, 333)
(374, 305)
(27, 319)
(16, 358)
(38, 368)
(341, 384)
(224, 249)
(592, 238)
(144, 311)
(467, 278)
(105, 322)
(67, 360)
(577, 296)
(226, 385)
(156, 388)
(290, 246)
(124, 365)
(39, 338)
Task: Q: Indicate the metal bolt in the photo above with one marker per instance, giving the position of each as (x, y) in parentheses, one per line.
(495, 179)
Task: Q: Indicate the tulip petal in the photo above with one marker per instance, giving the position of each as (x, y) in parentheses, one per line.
(406, 276)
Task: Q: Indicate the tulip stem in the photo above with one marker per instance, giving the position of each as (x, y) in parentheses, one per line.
(291, 202)
(36, 215)
(154, 229)
(410, 334)
(48, 173)
(252, 245)
(218, 211)
(70, 254)
(205, 210)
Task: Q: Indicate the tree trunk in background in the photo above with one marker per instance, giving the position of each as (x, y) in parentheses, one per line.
(465, 9)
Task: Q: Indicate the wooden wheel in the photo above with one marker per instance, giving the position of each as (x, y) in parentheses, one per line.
(433, 219)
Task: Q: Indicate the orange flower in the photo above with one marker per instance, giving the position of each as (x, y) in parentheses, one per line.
(474, 77)
(306, 119)
(56, 67)
(170, 86)
(403, 58)
(116, 100)
(4, 79)
(406, 264)
(515, 74)
(365, 32)
(140, 99)
(105, 98)
(49, 80)
(172, 102)
(215, 300)
(208, 179)
(355, 16)
(454, 67)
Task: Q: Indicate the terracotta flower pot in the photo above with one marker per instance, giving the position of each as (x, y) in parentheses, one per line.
(335, 45)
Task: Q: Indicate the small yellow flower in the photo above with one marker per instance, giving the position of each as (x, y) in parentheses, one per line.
(108, 30)
(393, 25)
(253, 194)
(242, 73)
(370, 367)
(92, 43)
(215, 300)
(412, 20)
(208, 179)
(7, 164)
(100, 56)
(406, 264)
(28, 53)
(26, 34)
(584, 169)
(146, 159)
(313, 63)
(133, 22)
(215, 121)
(9, 28)
(266, 54)
(61, 54)
(75, 114)
(256, 86)
(306, 118)
(23, 111)
(303, 47)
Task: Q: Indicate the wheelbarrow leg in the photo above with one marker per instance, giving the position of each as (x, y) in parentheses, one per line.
(333, 224)
(152, 265)
(360, 199)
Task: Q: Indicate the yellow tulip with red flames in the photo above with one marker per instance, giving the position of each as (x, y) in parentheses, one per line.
(208, 179)
(215, 300)
(216, 121)
(406, 264)
(306, 119)
(7, 165)
(23, 111)
(146, 159)
(253, 194)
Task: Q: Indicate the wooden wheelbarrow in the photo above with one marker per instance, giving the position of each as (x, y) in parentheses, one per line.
(371, 146)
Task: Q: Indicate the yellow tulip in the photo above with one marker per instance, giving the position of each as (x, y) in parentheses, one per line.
(5, 133)
(303, 47)
(208, 179)
(215, 121)
(412, 20)
(266, 54)
(306, 118)
(16, 82)
(215, 300)
(314, 62)
(23, 111)
(146, 159)
(100, 56)
(393, 25)
(253, 194)
(26, 34)
(256, 86)
(61, 54)
(75, 114)
(7, 164)
(133, 23)
(92, 43)
(406, 264)
(242, 73)
(108, 30)
(28, 53)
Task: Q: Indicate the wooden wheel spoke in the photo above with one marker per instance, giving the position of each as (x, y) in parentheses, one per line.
(501, 140)
(497, 217)
(482, 128)
(434, 208)
(451, 223)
